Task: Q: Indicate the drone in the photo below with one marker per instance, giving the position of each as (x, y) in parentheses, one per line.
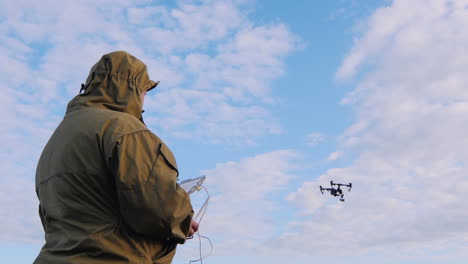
(337, 191)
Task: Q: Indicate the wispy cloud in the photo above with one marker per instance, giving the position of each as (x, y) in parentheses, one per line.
(335, 155)
(314, 139)
(241, 211)
(19, 223)
(225, 96)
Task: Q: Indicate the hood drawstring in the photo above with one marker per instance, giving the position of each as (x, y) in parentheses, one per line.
(83, 86)
(82, 89)
(141, 117)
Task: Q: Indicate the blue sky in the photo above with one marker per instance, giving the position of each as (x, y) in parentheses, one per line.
(269, 101)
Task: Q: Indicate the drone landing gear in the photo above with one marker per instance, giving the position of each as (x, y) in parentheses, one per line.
(342, 198)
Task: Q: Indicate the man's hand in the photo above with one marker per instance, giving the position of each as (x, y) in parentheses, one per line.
(193, 228)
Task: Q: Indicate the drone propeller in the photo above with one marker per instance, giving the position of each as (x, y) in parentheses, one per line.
(321, 189)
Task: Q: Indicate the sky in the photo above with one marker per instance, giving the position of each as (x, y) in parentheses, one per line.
(269, 101)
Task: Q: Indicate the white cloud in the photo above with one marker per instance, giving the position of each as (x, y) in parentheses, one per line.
(190, 26)
(225, 97)
(409, 139)
(241, 211)
(308, 197)
(253, 177)
(226, 124)
(235, 76)
(335, 155)
(19, 213)
(314, 138)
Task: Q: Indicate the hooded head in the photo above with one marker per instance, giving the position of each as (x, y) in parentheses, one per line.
(115, 82)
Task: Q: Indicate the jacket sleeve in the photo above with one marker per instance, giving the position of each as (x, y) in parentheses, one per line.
(151, 202)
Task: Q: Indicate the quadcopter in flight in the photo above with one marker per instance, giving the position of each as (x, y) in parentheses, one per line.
(337, 191)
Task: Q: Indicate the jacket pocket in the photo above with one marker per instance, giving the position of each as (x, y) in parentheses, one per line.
(164, 168)
(169, 157)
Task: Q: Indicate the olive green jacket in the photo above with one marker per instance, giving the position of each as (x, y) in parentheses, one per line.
(106, 184)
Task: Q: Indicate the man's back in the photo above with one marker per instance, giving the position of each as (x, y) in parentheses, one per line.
(107, 190)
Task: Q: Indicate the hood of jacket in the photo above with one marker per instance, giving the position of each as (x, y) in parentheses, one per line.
(115, 82)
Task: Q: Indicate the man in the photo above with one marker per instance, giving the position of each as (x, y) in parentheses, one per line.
(106, 184)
